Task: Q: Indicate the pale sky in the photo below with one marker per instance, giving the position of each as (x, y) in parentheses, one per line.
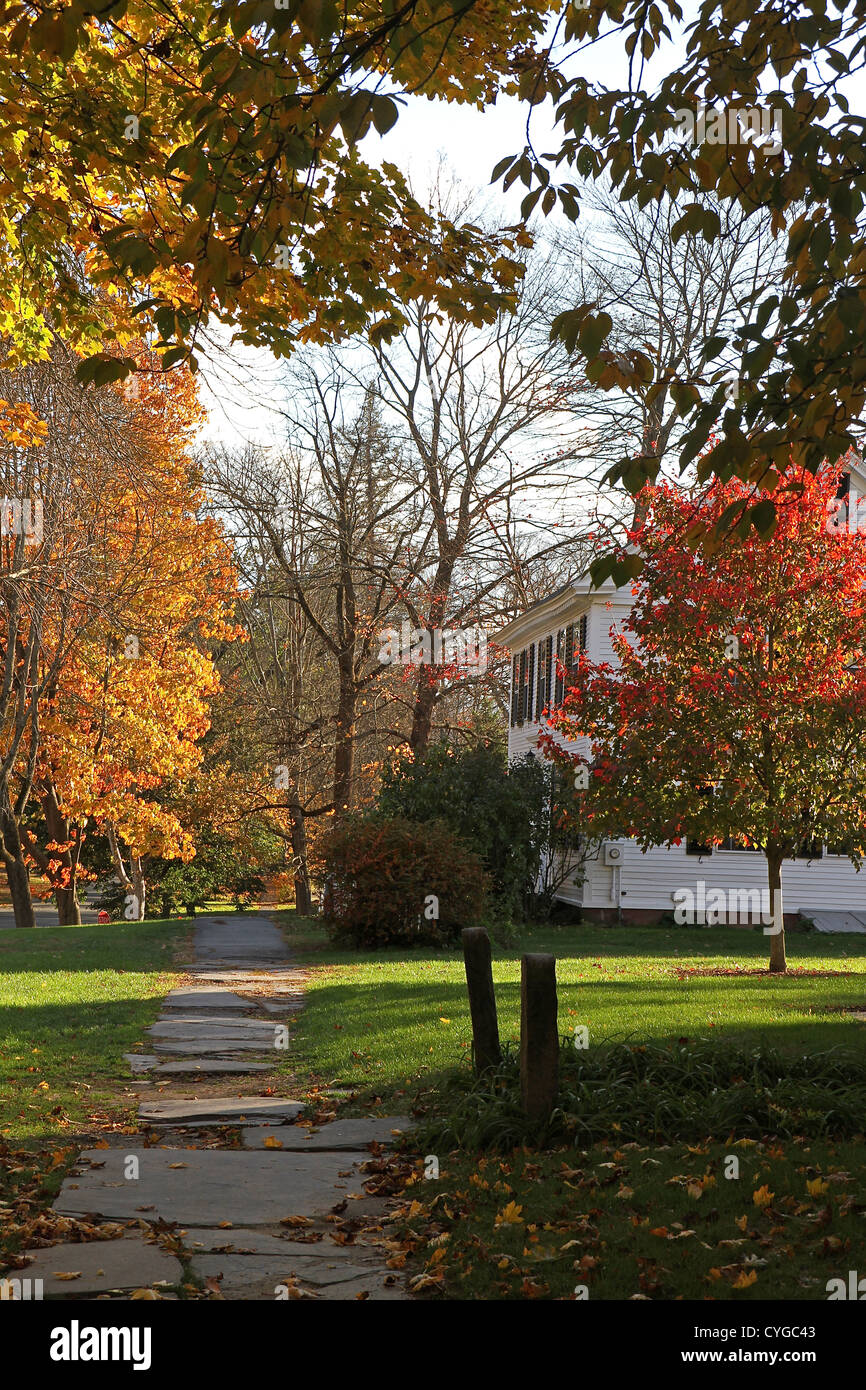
(242, 388)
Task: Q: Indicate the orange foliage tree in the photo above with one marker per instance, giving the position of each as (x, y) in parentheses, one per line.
(132, 670)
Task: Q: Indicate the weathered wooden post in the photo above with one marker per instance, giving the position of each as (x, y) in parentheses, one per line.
(539, 1036)
(482, 999)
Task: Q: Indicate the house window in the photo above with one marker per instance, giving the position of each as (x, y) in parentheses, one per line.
(810, 849)
(729, 844)
(695, 847)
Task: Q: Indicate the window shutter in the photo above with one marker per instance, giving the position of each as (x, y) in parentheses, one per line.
(569, 647)
(560, 650)
(515, 686)
(584, 623)
(530, 683)
(544, 675)
(521, 688)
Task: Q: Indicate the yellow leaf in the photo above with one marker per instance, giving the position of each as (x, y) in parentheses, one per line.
(74, 1274)
(272, 1142)
(511, 1215)
(744, 1280)
(763, 1197)
(817, 1187)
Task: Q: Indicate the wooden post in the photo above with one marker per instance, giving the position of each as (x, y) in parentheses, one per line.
(539, 1036)
(482, 999)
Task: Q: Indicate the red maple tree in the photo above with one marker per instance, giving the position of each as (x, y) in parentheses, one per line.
(738, 705)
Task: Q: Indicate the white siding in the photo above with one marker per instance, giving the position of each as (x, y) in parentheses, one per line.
(649, 880)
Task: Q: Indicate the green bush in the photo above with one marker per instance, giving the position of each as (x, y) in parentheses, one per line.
(391, 882)
(500, 813)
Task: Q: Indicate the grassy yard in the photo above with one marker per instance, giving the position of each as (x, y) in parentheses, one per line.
(596, 1208)
(72, 1001)
(641, 1222)
(385, 1018)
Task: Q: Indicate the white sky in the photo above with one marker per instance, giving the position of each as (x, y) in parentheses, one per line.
(241, 388)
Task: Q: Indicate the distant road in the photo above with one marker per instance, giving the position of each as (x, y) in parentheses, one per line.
(46, 915)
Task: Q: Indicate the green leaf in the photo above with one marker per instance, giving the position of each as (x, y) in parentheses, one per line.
(172, 357)
(102, 368)
(318, 19)
(385, 113)
(713, 346)
(763, 516)
(499, 169)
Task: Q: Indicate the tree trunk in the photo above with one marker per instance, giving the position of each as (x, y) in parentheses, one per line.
(68, 906)
(344, 752)
(139, 888)
(134, 886)
(422, 716)
(427, 690)
(57, 824)
(776, 932)
(16, 868)
(303, 896)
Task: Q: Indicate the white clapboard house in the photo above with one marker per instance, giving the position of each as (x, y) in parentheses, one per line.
(617, 880)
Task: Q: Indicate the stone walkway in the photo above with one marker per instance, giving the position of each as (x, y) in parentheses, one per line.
(284, 1215)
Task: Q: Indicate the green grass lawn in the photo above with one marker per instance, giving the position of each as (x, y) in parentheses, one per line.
(640, 1222)
(616, 1218)
(382, 1019)
(72, 1001)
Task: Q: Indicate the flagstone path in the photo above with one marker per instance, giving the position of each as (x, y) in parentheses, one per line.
(281, 1216)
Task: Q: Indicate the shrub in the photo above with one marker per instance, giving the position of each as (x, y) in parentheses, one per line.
(497, 811)
(383, 880)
